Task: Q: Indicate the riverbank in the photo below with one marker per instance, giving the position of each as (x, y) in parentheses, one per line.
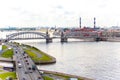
(64, 75)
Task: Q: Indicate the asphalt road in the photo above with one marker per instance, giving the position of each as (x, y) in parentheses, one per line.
(25, 67)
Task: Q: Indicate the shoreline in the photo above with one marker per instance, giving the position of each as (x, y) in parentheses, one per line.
(64, 74)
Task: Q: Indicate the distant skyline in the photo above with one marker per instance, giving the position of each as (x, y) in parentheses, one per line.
(23, 13)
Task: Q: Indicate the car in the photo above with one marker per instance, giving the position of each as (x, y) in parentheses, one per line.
(30, 69)
(26, 60)
(39, 78)
(18, 61)
(26, 72)
(23, 79)
(27, 63)
(41, 72)
(19, 65)
(27, 56)
(33, 67)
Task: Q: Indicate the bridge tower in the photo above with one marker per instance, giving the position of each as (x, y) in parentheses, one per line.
(63, 37)
(48, 39)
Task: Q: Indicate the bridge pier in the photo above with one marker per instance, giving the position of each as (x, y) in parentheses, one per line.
(63, 37)
(98, 39)
(48, 39)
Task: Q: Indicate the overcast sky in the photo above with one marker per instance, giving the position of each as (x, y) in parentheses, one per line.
(30, 13)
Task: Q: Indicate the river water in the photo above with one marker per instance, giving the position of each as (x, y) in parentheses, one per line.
(96, 60)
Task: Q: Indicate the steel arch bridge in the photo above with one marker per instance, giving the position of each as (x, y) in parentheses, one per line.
(27, 35)
(39, 35)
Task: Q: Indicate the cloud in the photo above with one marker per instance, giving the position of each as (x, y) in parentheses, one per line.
(58, 12)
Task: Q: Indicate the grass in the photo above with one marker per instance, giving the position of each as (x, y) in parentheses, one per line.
(5, 75)
(44, 57)
(32, 55)
(4, 47)
(8, 53)
(47, 78)
(36, 58)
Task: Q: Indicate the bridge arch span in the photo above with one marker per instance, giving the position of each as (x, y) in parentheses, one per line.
(26, 35)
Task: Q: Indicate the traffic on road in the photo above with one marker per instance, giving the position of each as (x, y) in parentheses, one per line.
(25, 67)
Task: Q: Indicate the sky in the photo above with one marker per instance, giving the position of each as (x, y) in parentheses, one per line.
(59, 13)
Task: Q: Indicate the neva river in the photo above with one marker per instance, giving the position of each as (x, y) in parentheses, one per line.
(96, 60)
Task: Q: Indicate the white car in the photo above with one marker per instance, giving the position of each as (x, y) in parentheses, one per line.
(19, 65)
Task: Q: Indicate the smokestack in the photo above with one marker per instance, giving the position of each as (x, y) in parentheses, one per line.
(80, 23)
(94, 22)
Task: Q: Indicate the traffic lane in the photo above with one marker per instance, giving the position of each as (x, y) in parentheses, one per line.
(30, 64)
(21, 72)
(19, 65)
(21, 68)
(35, 75)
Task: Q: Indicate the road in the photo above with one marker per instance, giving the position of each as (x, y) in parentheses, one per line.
(25, 67)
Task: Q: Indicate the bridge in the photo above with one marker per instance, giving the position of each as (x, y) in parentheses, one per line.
(94, 36)
(39, 35)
